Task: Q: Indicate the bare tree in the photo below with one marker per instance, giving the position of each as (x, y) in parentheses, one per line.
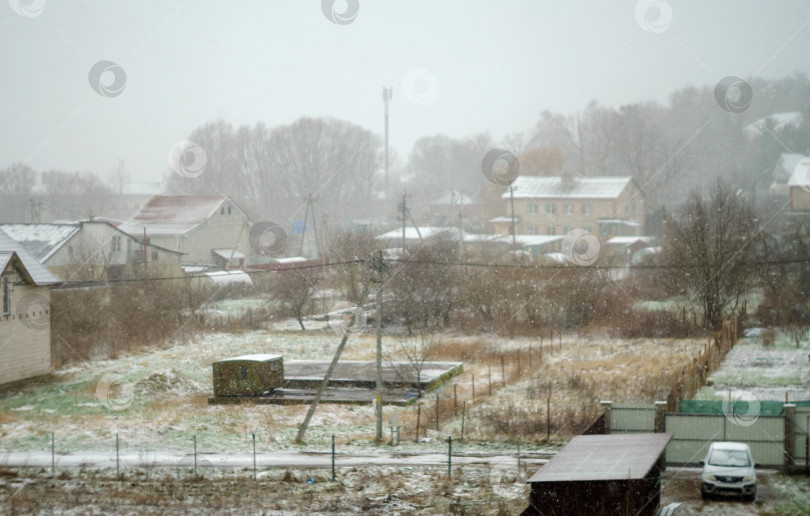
(707, 245)
(294, 290)
(352, 279)
(416, 350)
(118, 177)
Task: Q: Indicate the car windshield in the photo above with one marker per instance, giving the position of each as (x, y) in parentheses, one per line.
(733, 458)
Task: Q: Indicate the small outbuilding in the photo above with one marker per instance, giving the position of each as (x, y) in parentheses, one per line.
(601, 475)
(248, 375)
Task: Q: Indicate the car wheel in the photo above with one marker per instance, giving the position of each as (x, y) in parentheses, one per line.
(704, 494)
(750, 497)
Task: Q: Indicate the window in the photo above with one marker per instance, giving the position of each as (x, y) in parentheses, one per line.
(568, 208)
(627, 209)
(115, 243)
(533, 230)
(566, 230)
(551, 208)
(222, 210)
(586, 208)
(6, 295)
(533, 207)
(229, 210)
(552, 230)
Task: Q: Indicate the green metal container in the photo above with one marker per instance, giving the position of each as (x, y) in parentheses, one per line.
(248, 375)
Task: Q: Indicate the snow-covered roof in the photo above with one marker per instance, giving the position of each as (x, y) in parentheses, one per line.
(629, 240)
(173, 214)
(780, 121)
(228, 254)
(800, 175)
(224, 277)
(557, 257)
(547, 187)
(453, 198)
(256, 357)
(522, 240)
(35, 270)
(291, 259)
(504, 218)
(426, 232)
(622, 222)
(41, 240)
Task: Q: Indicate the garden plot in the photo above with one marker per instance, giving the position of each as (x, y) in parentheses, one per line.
(767, 373)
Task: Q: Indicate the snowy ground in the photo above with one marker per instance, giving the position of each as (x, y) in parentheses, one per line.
(157, 403)
(766, 373)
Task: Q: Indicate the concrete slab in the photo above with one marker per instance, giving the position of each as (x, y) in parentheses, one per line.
(357, 396)
(308, 374)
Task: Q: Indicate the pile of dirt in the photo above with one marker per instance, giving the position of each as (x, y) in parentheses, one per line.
(169, 381)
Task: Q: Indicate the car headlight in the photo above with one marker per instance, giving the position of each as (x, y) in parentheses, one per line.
(749, 478)
(708, 477)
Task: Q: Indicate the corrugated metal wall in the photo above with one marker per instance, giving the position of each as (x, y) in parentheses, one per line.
(632, 418)
(800, 429)
(692, 434)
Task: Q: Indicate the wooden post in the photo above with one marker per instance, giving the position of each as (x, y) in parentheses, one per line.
(437, 411)
(333, 456)
(463, 416)
(548, 416)
(503, 371)
(490, 380)
(518, 362)
(530, 356)
(473, 385)
(455, 400)
(683, 384)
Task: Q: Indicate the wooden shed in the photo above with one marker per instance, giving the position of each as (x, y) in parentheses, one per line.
(248, 375)
(612, 475)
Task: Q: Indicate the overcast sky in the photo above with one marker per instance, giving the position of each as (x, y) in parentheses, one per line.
(456, 67)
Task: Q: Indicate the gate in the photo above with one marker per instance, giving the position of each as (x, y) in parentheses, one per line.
(693, 433)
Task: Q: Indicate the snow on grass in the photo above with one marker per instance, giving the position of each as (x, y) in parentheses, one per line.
(767, 373)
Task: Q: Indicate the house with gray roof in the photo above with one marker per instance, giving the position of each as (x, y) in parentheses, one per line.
(25, 315)
(93, 250)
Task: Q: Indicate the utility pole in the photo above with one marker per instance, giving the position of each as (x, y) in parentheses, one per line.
(404, 207)
(512, 204)
(378, 277)
(386, 98)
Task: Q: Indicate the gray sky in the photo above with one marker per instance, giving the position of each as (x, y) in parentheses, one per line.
(494, 66)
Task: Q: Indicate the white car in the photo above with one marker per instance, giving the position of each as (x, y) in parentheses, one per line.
(729, 469)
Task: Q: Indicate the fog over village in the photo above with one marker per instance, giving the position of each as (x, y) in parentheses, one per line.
(341, 257)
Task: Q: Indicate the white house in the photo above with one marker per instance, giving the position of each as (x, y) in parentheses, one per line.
(25, 319)
(204, 228)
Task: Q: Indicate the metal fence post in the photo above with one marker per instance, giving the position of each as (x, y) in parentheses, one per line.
(254, 456)
(195, 455)
(333, 457)
(450, 456)
(53, 458)
(790, 437)
(117, 463)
